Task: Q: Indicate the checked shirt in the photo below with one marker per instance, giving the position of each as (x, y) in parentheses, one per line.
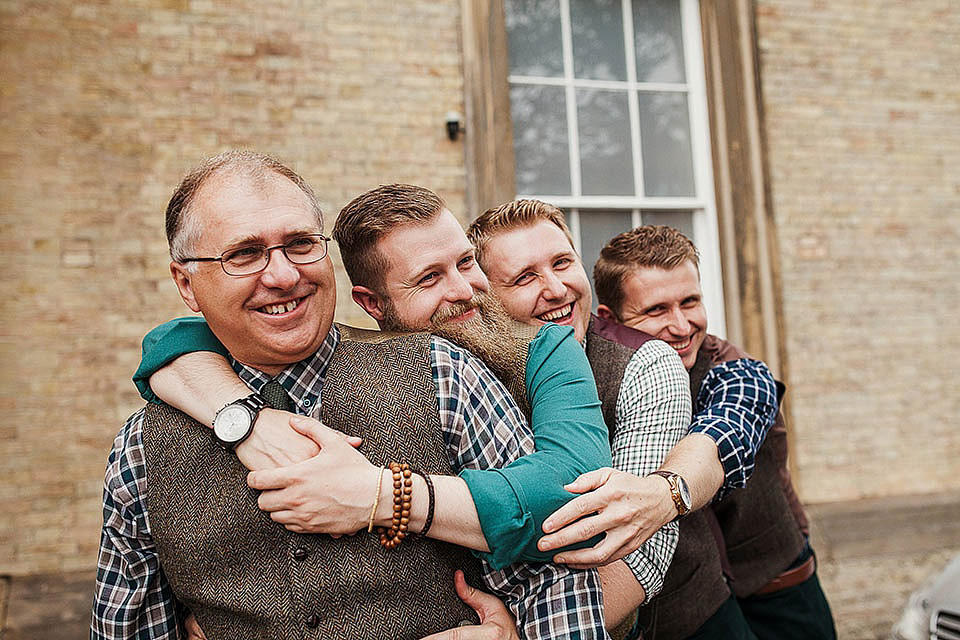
(483, 428)
(736, 405)
(652, 414)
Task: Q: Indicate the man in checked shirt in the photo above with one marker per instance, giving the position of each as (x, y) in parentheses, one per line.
(653, 409)
(648, 278)
(203, 543)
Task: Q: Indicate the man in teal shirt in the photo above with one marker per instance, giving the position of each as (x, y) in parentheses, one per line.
(431, 277)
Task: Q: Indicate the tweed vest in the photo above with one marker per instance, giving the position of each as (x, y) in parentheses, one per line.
(694, 587)
(246, 577)
(762, 522)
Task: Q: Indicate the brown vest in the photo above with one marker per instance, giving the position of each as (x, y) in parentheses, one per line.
(246, 577)
(694, 587)
(762, 522)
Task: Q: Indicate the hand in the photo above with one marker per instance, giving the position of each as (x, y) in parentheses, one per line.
(331, 492)
(194, 632)
(496, 623)
(272, 443)
(628, 508)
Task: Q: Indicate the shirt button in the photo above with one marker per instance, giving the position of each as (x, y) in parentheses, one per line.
(306, 402)
(300, 553)
(313, 621)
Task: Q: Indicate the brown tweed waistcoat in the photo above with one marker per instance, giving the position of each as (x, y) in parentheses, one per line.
(246, 577)
(694, 587)
(762, 522)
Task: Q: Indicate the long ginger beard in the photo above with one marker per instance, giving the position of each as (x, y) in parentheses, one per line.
(488, 334)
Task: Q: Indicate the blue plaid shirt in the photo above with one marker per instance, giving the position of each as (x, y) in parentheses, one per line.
(483, 428)
(736, 405)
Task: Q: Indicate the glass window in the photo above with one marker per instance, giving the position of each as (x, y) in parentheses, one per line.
(609, 119)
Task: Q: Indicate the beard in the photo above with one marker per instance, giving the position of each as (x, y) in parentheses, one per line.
(489, 334)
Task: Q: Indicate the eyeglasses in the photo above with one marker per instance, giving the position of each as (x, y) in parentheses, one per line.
(254, 258)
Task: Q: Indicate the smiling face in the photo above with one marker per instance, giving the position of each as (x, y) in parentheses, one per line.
(538, 276)
(668, 305)
(431, 274)
(270, 319)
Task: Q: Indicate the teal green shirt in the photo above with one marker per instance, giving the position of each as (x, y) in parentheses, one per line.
(512, 502)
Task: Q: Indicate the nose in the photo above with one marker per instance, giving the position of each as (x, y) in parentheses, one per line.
(678, 323)
(460, 289)
(553, 287)
(279, 273)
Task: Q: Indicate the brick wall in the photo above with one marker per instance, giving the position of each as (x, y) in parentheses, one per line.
(862, 105)
(104, 106)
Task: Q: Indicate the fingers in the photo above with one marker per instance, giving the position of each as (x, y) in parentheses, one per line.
(572, 511)
(579, 531)
(589, 481)
(320, 433)
(267, 479)
(603, 553)
(194, 632)
(470, 596)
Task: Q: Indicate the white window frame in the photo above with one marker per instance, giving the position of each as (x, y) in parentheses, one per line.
(703, 205)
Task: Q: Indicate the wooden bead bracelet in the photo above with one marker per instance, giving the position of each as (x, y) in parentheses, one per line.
(402, 499)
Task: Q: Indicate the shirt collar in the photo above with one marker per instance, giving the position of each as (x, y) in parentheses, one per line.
(303, 381)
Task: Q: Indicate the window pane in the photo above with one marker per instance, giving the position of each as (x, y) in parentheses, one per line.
(534, 40)
(682, 221)
(658, 41)
(665, 141)
(540, 139)
(606, 162)
(596, 230)
(597, 27)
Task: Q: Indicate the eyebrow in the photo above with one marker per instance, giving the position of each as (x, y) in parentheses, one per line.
(255, 239)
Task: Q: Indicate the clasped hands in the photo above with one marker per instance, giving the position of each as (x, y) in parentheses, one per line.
(320, 483)
(314, 479)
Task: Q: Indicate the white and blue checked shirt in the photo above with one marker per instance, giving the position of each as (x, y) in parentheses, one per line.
(483, 428)
(652, 414)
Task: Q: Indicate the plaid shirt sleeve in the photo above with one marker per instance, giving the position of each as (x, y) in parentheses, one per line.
(653, 413)
(484, 428)
(133, 599)
(736, 405)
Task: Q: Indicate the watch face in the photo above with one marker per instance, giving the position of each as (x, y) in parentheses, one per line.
(231, 423)
(684, 492)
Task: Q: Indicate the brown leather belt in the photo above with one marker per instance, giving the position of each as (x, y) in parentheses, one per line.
(790, 578)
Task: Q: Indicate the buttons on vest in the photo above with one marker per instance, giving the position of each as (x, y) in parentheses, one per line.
(300, 553)
(313, 621)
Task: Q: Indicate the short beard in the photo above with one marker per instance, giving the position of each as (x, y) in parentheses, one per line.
(490, 334)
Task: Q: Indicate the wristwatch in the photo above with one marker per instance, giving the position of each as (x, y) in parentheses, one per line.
(679, 491)
(234, 422)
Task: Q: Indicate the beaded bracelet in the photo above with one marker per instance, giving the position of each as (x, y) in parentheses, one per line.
(402, 499)
(429, 520)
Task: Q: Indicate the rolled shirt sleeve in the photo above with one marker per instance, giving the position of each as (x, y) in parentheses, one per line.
(736, 405)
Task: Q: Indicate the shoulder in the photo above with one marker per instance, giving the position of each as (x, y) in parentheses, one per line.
(550, 339)
(126, 466)
(721, 350)
(445, 355)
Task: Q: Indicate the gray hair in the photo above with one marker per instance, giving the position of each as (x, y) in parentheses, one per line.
(183, 229)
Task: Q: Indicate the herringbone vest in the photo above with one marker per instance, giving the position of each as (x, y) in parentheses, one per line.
(694, 587)
(246, 577)
(761, 523)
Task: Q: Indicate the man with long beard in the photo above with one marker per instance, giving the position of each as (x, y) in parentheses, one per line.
(417, 271)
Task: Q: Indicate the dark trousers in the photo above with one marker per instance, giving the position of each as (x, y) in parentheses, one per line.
(727, 623)
(795, 613)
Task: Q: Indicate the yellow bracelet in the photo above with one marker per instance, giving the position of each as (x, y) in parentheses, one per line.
(376, 500)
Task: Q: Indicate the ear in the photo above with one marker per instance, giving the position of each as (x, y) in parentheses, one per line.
(368, 300)
(606, 313)
(182, 279)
